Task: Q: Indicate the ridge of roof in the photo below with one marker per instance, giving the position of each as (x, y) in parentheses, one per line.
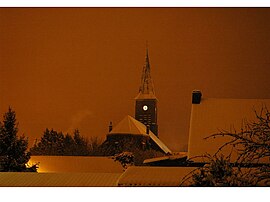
(240, 99)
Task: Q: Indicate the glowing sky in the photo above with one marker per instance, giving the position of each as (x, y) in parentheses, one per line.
(67, 68)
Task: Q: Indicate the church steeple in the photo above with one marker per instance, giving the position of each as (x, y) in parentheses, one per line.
(146, 101)
(146, 89)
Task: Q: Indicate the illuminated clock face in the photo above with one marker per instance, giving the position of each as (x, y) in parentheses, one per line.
(145, 107)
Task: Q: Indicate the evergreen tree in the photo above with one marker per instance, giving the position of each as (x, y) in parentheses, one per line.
(56, 143)
(125, 158)
(69, 145)
(94, 146)
(13, 149)
(81, 144)
(51, 143)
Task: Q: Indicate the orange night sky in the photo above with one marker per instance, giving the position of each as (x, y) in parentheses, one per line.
(67, 68)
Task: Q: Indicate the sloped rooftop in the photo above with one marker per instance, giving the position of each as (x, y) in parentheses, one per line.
(181, 155)
(153, 176)
(214, 115)
(13, 179)
(129, 125)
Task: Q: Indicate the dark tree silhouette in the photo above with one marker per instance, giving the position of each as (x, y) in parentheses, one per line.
(57, 144)
(51, 143)
(13, 149)
(95, 146)
(251, 166)
(69, 145)
(81, 144)
(219, 171)
(131, 144)
(125, 158)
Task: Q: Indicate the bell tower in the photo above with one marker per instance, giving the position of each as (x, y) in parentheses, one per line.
(146, 101)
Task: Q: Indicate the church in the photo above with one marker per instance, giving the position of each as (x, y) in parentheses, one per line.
(140, 132)
(146, 101)
(140, 135)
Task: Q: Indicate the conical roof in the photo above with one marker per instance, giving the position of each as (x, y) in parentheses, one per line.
(130, 126)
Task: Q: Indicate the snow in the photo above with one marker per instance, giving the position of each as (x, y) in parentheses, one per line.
(129, 125)
(214, 115)
(13, 179)
(153, 176)
(73, 164)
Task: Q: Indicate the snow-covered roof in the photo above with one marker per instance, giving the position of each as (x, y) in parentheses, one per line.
(73, 164)
(28, 179)
(168, 157)
(153, 176)
(131, 126)
(214, 115)
(159, 143)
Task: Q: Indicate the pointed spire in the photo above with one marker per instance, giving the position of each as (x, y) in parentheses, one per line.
(147, 87)
(147, 50)
(147, 63)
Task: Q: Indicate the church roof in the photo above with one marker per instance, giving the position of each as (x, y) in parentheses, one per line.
(159, 143)
(146, 90)
(212, 116)
(131, 126)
